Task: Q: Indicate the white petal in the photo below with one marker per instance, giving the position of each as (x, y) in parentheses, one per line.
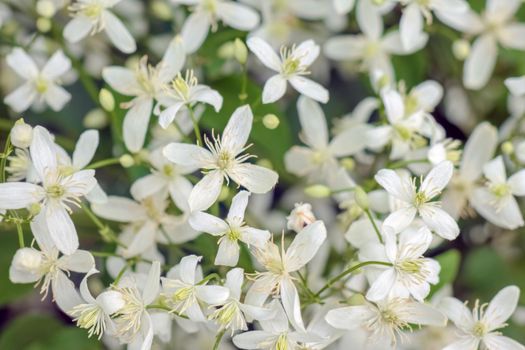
(22, 275)
(195, 30)
(118, 34)
(495, 170)
(423, 314)
(516, 86)
(237, 16)
(208, 223)
(345, 47)
(310, 88)
(517, 183)
(228, 253)
(437, 179)
(264, 53)
(22, 63)
(501, 307)
(188, 155)
(253, 339)
(478, 150)
(495, 341)
(209, 96)
(167, 116)
(439, 221)
(173, 59)
(350, 141)
(65, 293)
(135, 124)
(343, 7)
(85, 148)
(21, 98)
(394, 105)
(401, 218)
(234, 281)
(255, 237)
(80, 261)
(411, 25)
(77, 29)
(187, 268)
(305, 245)
(291, 303)
(56, 97)
(61, 229)
(123, 80)
(41, 233)
(467, 343)
(348, 318)
(238, 206)
(43, 153)
(147, 186)
(206, 191)
(394, 185)
(18, 195)
(237, 130)
(457, 312)
(382, 285)
(428, 94)
(142, 240)
(313, 123)
(57, 65)
(274, 89)
(152, 284)
(480, 63)
(507, 214)
(369, 19)
(299, 161)
(212, 294)
(180, 189)
(119, 209)
(254, 178)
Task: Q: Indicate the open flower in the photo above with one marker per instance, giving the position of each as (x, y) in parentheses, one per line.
(291, 67)
(48, 269)
(93, 16)
(481, 325)
(231, 231)
(58, 191)
(223, 161)
(280, 265)
(42, 86)
(419, 201)
(495, 201)
(185, 290)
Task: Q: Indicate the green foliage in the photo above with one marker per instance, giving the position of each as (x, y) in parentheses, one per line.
(449, 262)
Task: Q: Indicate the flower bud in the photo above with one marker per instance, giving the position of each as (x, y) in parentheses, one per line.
(271, 121)
(43, 24)
(225, 192)
(21, 134)
(161, 10)
(317, 191)
(226, 50)
(34, 209)
(95, 119)
(507, 147)
(46, 8)
(348, 163)
(240, 51)
(106, 99)
(361, 198)
(27, 259)
(126, 160)
(461, 49)
(300, 217)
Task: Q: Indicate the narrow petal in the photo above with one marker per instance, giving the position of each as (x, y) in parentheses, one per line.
(411, 25)
(350, 141)
(369, 19)
(253, 339)
(208, 223)
(195, 30)
(423, 314)
(85, 148)
(152, 284)
(517, 183)
(118, 33)
(313, 123)
(394, 185)
(142, 240)
(228, 253)
(147, 186)
(206, 191)
(234, 281)
(254, 178)
(19, 195)
(382, 285)
(212, 295)
(56, 97)
(64, 292)
(401, 218)
(57, 65)
(501, 307)
(495, 341)
(291, 304)
(22, 63)
(119, 209)
(351, 317)
(237, 16)
(274, 89)
(209, 96)
(80, 261)
(238, 206)
(187, 268)
(264, 53)
(480, 63)
(255, 237)
(305, 245)
(495, 171)
(310, 88)
(188, 155)
(62, 229)
(516, 86)
(21, 98)
(457, 312)
(180, 189)
(237, 131)
(437, 179)
(439, 221)
(136, 123)
(42, 149)
(167, 116)
(478, 150)
(77, 29)
(121, 79)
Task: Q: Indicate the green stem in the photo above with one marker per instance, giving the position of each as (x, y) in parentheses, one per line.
(20, 235)
(348, 189)
(349, 271)
(196, 128)
(243, 95)
(376, 229)
(103, 163)
(208, 278)
(7, 150)
(105, 231)
(403, 163)
(121, 273)
(218, 339)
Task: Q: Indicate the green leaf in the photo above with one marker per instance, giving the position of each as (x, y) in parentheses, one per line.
(449, 262)
(8, 290)
(27, 330)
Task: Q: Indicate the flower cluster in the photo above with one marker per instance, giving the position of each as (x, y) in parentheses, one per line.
(223, 231)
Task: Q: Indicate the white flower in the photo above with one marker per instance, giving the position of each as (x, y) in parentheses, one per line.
(275, 333)
(47, 269)
(411, 23)
(300, 216)
(386, 320)
(223, 161)
(279, 265)
(231, 231)
(93, 16)
(319, 159)
(165, 178)
(184, 290)
(516, 85)
(291, 67)
(230, 314)
(495, 25)
(480, 326)
(411, 273)
(414, 201)
(94, 314)
(58, 191)
(21, 134)
(146, 83)
(495, 201)
(41, 86)
(184, 92)
(148, 215)
(134, 322)
(371, 48)
(207, 13)
(478, 150)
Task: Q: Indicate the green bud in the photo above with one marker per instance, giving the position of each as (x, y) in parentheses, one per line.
(361, 198)
(225, 192)
(507, 147)
(161, 10)
(106, 99)
(126, 160)
(240, 51)
(317, 191)
(43, 24)
(95, 119)
(226, 50)
(271, 121)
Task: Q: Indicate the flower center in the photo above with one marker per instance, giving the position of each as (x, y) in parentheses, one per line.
(151, 210)
(233, 235)
(404, 133)
(224, 160)
(282, 342)
(479, 329)
(420, 199)
(182, 86)
(500, 190)
(129, 317)
(210, 6)
(41, 85)
(90, 317)
(55, 191)
(168, 170)
(291, 62)
(182, 294)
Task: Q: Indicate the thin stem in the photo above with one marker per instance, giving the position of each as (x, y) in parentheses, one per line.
(121, 273)
(243, 95)
(403, 163)
(349, 271)
(341, 190)
(196, 128)
(208, 278)
(218, 339)
(376, 229)
(103, 163)
(7, 150)
(20, 235)
(105, 231)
